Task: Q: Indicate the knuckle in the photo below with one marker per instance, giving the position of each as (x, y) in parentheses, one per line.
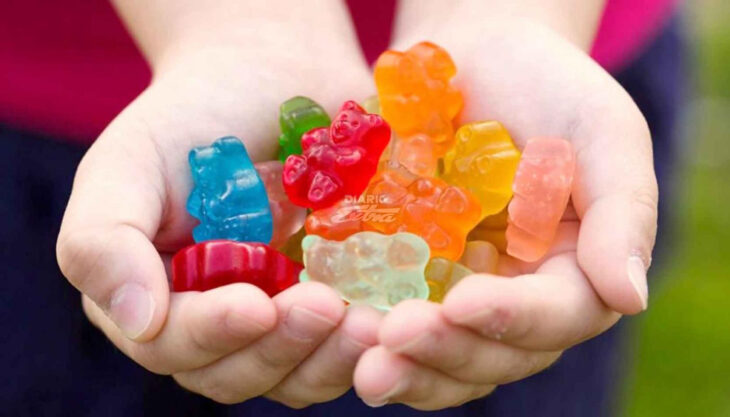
(270, 360)
(320, 381)
(219, 391)
(647, 198)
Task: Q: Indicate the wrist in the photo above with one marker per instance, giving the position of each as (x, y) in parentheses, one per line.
(171, 32)
(574, 20)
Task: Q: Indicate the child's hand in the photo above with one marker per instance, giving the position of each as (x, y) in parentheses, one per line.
(491, 330)
(127, 215)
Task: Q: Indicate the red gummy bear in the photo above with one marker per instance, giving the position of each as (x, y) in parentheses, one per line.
(337, 161)
(215, 263)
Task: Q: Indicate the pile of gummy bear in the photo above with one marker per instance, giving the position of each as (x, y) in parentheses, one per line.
(379, 204)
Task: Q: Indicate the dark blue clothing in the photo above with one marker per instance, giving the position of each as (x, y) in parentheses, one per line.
(54, 363)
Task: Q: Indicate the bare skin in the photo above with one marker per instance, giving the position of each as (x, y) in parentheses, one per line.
(219, 69)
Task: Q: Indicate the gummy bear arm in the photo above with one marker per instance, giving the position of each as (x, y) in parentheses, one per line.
(194, 203)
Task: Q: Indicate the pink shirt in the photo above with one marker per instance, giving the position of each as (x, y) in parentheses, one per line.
(68, 67)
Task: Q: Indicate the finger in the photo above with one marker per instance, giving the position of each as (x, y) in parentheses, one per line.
(417, 329)
(615, 194)
(552, 309)
(308, 313)
(201, 327)
(327, 373)
(104, 247)
(382, 377)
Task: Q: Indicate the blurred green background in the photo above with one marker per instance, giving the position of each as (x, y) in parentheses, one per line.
(681, 352)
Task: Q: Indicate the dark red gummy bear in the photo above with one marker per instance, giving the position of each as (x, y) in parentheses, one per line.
(337, 161)
(214, 263)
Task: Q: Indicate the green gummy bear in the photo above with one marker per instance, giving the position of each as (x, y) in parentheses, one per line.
(297, 116)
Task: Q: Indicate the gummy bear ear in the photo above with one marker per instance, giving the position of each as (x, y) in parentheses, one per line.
(314, 136)
(407, 249)
(386, 72)
(201, 157)
(352, 105)
(231, 145)
(435, 60)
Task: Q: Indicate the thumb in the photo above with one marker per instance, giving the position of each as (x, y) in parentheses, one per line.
(105, 245)
(615, 194)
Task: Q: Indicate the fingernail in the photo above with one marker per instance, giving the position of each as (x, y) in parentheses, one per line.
(385, 398)
(306, 324)
(637, 276)
(131, 309)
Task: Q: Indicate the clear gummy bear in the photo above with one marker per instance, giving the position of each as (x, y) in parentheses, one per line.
(369, 267)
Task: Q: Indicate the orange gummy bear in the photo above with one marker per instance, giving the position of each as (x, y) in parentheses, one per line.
(429, 207)
(416, 96)
(395, 201)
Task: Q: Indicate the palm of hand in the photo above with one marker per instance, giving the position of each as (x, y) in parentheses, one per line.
(129, 204)
(493, 330)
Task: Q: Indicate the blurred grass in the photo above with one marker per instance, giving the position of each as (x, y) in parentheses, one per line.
(682, 352)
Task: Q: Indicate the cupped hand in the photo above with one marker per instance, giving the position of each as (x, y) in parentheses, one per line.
(126, 216)
(492, 329)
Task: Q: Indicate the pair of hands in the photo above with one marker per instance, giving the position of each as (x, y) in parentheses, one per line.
(126, 217)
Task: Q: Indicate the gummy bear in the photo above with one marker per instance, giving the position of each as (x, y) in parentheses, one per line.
(429, 207)
(297, 116)
(336, 162)
(481, 257)
(337, 222)
(441, 275)
(541, 193)
(288, 217)
(484, 161)
(368, 267)
(215, 263)
(229, 197)
(415, 153)
(371, 105)
(415, 94)
(492, 229)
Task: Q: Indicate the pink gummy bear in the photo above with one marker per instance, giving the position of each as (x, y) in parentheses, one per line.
(541, 192)
(288, 217)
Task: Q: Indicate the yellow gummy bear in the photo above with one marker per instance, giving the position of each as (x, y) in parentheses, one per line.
(441, 275)
(483, 160)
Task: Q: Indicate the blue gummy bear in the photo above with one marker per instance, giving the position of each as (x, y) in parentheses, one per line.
(228, 197)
